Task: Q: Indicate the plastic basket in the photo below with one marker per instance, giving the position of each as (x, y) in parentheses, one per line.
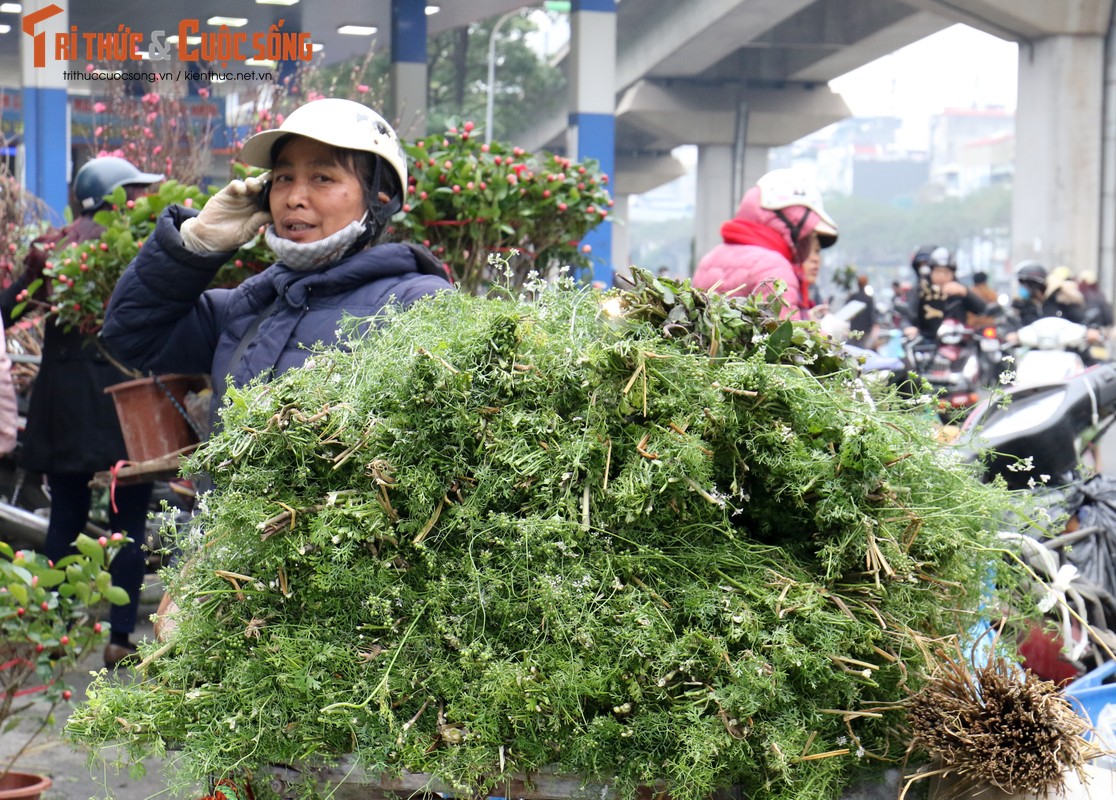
(1089, 694)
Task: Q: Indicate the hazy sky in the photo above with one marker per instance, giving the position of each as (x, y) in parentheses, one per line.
(958, 67)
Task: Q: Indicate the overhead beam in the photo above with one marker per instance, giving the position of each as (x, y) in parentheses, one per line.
(665, 42)
(694, 114)
(1025, 20)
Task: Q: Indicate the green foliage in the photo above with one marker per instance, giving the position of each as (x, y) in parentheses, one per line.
(468, 200)
(527, 89)
(83, 275)
(875, 233)
(48, 623)
(646, 536)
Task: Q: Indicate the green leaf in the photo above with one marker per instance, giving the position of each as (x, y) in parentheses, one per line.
(778, 342)
(91, 549)
(50, 578)
(117, 596)
(19, 592)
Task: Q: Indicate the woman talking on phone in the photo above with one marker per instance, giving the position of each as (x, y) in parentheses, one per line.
(338, 174)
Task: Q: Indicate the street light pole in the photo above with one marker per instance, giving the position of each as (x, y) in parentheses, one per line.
(492, 74)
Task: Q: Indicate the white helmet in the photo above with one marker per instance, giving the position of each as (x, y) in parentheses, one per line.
(782, 188)
(340, 123)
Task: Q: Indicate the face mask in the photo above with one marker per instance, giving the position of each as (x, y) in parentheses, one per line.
(1024, 293)
(310, 256)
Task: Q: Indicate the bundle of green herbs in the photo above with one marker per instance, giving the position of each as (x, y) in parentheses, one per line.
(649, 537)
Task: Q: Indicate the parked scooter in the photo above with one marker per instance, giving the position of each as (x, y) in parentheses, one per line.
(1050, 349)
(990, 353)
(1035, 442)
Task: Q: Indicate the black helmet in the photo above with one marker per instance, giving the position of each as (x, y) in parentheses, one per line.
(1032, 273)
(922, 256)
(102, 176)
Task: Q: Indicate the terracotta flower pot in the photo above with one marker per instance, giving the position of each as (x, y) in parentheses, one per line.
(153, 425)
(23, 786)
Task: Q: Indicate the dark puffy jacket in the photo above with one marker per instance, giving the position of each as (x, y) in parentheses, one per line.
(71, 423)
(162, 319)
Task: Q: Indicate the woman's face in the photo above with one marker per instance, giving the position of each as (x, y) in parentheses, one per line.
(940, 276)
(811, 262)
(312, 195)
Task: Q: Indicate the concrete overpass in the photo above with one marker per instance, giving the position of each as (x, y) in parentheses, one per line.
(736, 77)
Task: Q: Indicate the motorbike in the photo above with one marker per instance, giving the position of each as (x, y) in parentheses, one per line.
(1036, 442)
(990, 353)
(1050, 348)
(950, 365)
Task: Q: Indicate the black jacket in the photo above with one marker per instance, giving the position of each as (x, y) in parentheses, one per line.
(71, 423)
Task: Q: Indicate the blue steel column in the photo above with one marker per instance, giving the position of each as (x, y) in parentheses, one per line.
(46, 124)
(408, 67)
(592, 121)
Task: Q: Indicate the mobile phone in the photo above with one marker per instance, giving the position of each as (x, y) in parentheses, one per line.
(263, 199)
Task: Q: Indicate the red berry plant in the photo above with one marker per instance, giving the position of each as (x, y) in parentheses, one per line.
(474, 204)
(48, 623)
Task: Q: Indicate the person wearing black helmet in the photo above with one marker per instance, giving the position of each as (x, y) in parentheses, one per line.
(72, 430)
(1028, 301)
(939, 295)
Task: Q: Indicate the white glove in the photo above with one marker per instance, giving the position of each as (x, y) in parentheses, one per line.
(229, 219)
(834, 327)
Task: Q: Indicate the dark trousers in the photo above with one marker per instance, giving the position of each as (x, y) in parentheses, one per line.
(70, 498)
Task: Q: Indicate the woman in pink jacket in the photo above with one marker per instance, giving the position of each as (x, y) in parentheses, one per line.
(776, 235)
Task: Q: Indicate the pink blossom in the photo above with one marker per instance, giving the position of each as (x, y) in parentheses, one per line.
(188, 202)
(89, 67)
(99, 107)
(99, 130)
(362, 88)
(203, 92)
(152, 116)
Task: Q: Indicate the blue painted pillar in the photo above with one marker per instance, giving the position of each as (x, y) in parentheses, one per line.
(408, 68)
(46, 121)
(592, 122)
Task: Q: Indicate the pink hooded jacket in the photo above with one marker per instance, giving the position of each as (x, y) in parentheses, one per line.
(752, 268)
